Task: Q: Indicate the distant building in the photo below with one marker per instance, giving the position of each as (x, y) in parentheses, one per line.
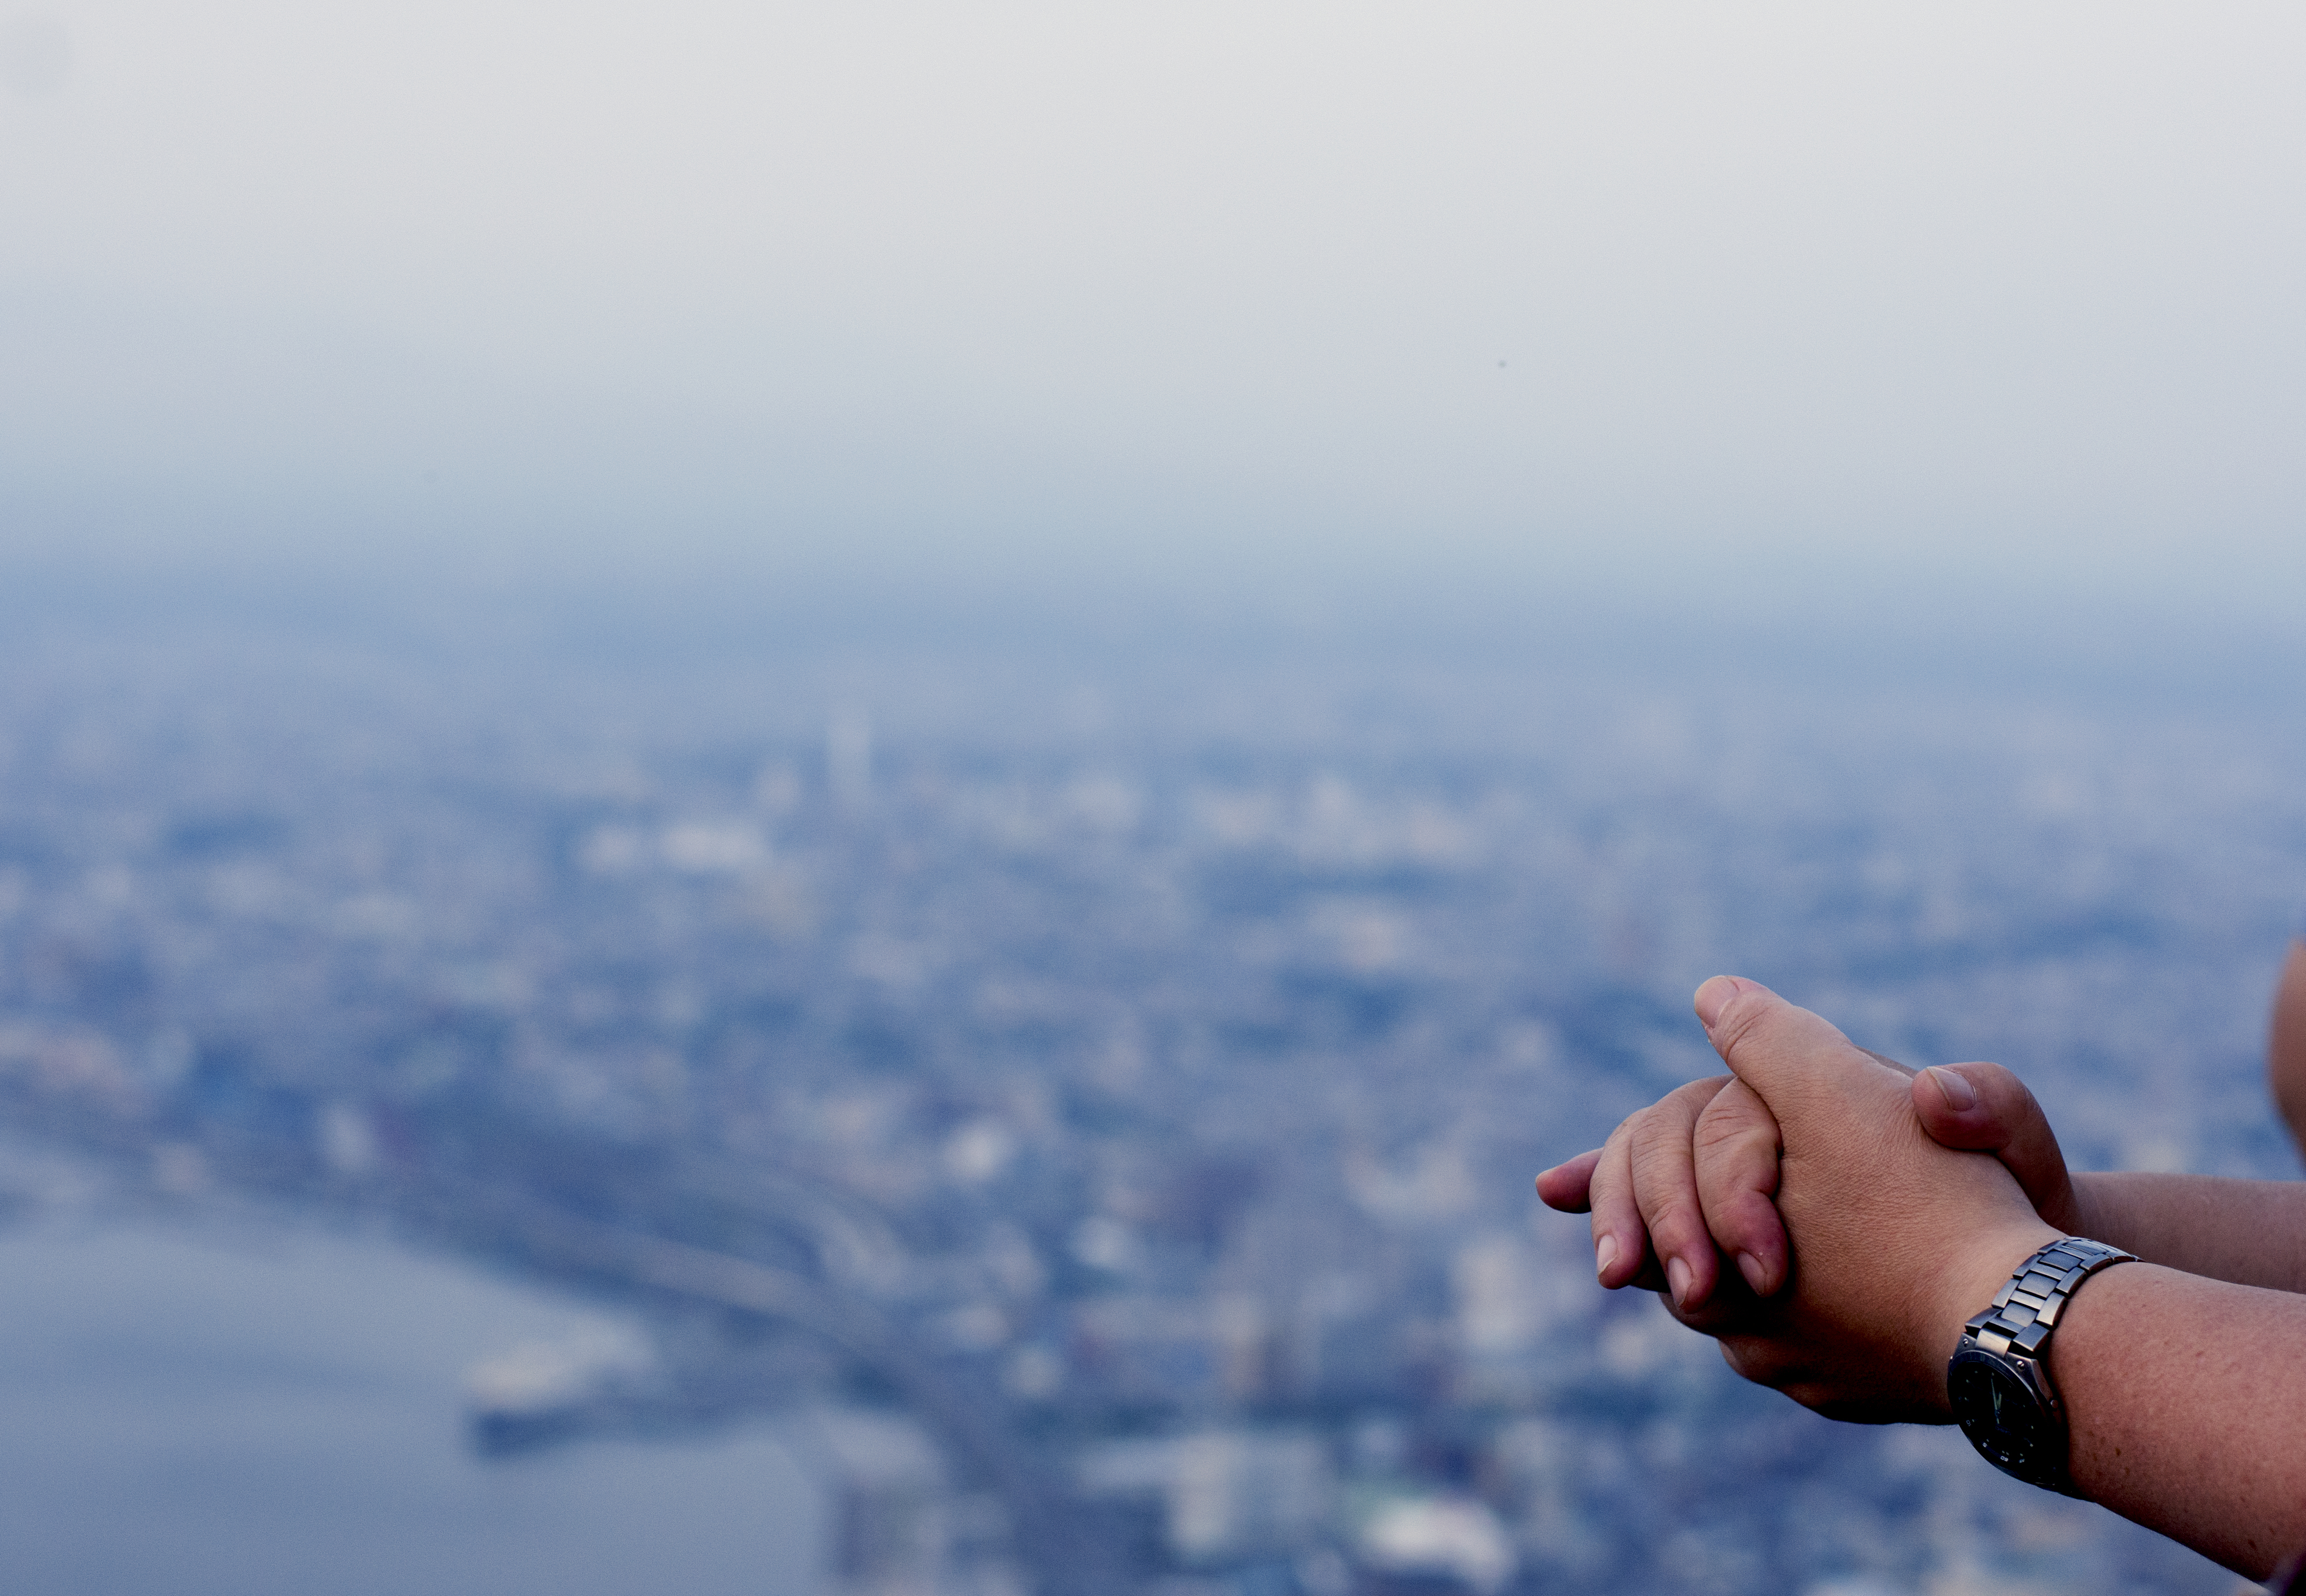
(1433, 1543)
(1222, 1496)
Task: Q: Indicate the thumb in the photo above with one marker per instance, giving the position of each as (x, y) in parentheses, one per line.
(1786, 1055)
(1984, 1108)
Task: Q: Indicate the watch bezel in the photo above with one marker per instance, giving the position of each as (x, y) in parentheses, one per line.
(2042, 1463)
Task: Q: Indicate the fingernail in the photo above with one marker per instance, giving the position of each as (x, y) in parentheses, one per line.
(1605, 1253)
(1958, 1094)
(1713, 998)
(1750, 1267)
(1676, 1276)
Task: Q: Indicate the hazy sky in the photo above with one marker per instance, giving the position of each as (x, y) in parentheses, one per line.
(1542, 287)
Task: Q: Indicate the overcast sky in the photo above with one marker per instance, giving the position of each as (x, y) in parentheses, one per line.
(1616, 287)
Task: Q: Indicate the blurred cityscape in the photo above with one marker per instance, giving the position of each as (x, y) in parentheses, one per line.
(1103, 1097)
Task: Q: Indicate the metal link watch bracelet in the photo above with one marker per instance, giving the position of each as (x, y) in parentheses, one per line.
(1999, 1378)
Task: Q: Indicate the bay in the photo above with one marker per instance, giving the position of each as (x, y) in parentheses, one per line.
(239, 1409)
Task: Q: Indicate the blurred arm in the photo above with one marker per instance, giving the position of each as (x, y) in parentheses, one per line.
(2285, 1047)
(2247, 1232)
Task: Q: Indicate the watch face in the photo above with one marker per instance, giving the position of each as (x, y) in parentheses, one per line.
(2004, 1419)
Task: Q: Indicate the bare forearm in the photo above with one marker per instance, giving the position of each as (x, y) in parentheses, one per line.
(2187, 1398)
(2247, 1232)
(2286, 1045)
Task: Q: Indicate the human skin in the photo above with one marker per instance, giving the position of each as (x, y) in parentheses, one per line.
(1654, 1227)
(1644, 1189)
(1658, 1194)
(2285, 1045)
(2185, 1394)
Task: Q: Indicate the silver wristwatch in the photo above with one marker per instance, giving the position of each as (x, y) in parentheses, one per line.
(1999, 1381)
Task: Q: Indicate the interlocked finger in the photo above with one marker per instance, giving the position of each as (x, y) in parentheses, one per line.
(1660, 1156)
(1620, 1242)
(1737, 1148)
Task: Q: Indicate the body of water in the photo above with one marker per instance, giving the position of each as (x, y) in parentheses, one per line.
(234, 1409)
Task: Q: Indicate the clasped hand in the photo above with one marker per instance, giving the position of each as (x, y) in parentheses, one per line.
(1829, 1215)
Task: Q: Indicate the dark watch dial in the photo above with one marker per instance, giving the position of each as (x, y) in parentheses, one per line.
(2005, 1419)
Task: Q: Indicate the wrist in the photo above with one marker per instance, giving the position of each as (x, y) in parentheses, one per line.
(1965, 1285)
(2092, 1211)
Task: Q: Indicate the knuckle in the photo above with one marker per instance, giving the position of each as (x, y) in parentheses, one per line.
(1653, 1153)
(1662, 1180)
(1664, 1183)
(1675, 1226)
(1730, 1133)
(1695, 1094)
(1613, 1208)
